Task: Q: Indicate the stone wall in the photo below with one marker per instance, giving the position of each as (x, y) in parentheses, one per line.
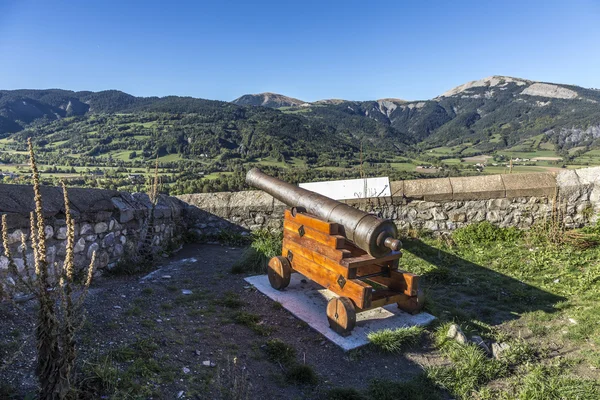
(109, 222)
(438, 205)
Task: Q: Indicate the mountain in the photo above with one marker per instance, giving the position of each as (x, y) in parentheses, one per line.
(487, 114)
(272, 100)
(491, 113)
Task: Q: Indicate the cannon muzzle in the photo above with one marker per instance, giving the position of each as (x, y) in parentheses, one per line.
(374, 235)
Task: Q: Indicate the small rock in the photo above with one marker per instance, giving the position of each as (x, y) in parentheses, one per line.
(479, 342)
(186, 370)
(117, 307)
(456, 334)
(15, 237)
(3, 262)
(101, 227)
(79, 246)
(85, 229)
(556, 280)
(180, 394)
(61, 234)
(198, 352)
(303, 280)
(573, 321)
(164, 255)
(186, 291)
(159, 320)
(166, 276)
(208, 363)
(498, 349)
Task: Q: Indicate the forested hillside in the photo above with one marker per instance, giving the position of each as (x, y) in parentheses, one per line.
(113, 139)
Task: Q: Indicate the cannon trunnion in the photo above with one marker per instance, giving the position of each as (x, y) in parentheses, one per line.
(357, 260)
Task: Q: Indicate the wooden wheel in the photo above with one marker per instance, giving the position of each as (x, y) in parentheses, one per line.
(341, 315)
(279, 272)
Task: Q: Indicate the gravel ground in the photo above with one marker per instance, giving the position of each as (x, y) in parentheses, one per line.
(176, 333)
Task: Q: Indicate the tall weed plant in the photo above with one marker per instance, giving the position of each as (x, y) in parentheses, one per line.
(59, 298)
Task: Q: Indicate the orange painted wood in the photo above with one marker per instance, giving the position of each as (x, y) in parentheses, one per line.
(357, 291)
(341, 315)
(410, 304)
(313, 222)
(384, 297)
(334, 241)
(399, 281)
(313, 245)
(366, 259)
(279, 272)
(321, 260)
(373, 268)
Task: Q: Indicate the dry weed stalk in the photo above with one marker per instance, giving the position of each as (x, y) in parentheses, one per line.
(60, 308)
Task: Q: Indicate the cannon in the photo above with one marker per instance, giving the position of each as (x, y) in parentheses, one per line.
(348, 251)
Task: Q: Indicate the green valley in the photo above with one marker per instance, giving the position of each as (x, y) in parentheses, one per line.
(114, 140)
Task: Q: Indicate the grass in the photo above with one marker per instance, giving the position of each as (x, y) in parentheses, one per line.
(278, 351)
(252, 321)
(530, 290)
(418, 388)
(129, 371)
(301, 374)
(545, 382)
(395, 340)
(231, 300)
(265, 245)
(470, 370)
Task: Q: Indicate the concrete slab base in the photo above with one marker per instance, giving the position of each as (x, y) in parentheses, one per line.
(308, 301)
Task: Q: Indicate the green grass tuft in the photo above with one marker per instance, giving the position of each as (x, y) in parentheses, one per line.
(395, 340)
(551, 382)
(301, 374)
(485, 233)
(231, 300)
(470, 369)
(278, 351)
(265, 245)
(253, 322)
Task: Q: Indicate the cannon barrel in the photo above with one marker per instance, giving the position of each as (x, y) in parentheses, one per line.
(374, 235)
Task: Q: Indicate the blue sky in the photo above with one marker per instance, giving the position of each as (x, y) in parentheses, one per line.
(311, 50)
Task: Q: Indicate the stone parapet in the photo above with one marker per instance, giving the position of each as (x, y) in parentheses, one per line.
(109, 222)
(441, 204)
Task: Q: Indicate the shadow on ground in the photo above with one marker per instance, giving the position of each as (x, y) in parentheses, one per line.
(467, 290)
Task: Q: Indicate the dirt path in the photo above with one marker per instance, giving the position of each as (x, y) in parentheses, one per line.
(166, 344)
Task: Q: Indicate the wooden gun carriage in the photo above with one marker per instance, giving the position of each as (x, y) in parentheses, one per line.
(358, 263)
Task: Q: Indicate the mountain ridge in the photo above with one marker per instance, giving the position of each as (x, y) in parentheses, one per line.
(491, 112)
